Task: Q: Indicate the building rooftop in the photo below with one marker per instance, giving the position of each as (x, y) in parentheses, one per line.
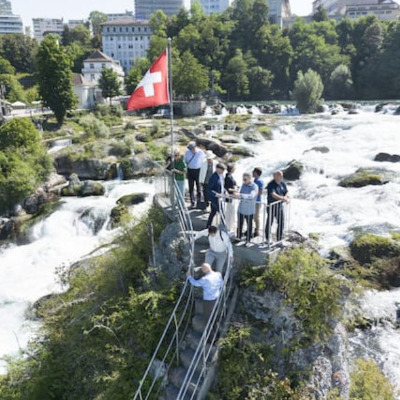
(98, 56)
(126, 21)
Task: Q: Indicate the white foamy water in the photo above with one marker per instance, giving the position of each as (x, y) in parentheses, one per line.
(27, 272)
(319, 205)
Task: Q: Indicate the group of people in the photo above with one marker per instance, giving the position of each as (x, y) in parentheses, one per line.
(211, 183)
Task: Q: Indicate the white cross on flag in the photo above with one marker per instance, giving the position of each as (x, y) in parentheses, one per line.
(153, 88)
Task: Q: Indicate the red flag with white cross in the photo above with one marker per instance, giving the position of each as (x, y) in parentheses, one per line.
(153, 88)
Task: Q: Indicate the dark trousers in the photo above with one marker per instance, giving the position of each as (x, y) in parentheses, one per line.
(275, 212)
(249, 222)
(205, 195)
(193, 178)
(215, 208)
(208, 307)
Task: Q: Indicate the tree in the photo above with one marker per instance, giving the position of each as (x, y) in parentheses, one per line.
(308, 90)
(19, 50)
(341, 83)
(109, 83)
(321, 14)
(18, 133)
(190, 78)
(6, 67)
(54, 77)
(235, 78)
(260, 82)
(96, 18)
(136, 73)
(14, 90)
(79, 34)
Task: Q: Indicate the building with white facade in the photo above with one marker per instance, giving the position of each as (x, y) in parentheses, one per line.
(386, 10)
(9, 23)
(73, 23)
(126, 14)
(44, 26)
(279, 10)
(125, 40)
(144, 8)
(215, 6)
(95, 63)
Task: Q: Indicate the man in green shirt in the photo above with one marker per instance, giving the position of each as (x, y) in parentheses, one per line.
(178, 167)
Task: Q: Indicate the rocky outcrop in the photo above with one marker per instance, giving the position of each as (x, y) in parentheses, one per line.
(132, 199)
(214, 146)
(318, 149)
(32, 204)
(7, 228)
(253, 136)
(117, 215)
(229, 139)
(83, 189)
(293, 170)
(137, 167)
(85, 169)
(364, 177)
(386, 157)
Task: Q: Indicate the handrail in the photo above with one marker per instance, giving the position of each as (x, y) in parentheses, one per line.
(177, 323)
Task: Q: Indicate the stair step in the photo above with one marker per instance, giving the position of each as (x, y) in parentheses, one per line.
(186, 357)
(199, 306)
(171, 393)
(199, 323)
(192, 339)
(177, 376)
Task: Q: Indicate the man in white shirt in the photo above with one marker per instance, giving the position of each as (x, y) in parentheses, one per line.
(220, 247)
(194, 158)
(211, 283)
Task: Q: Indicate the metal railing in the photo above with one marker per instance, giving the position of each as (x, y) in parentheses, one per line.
(167, 350)
(274, 219)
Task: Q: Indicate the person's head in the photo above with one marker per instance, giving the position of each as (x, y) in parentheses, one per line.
(246, 178)
(212, 230)
(257, 172)
(231, 168)
(192, 146)
(220, 168)
(206, 268)
(278, 176)
(177, 153)
(210, 156)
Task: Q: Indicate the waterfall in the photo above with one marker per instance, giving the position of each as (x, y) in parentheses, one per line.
(120, 172)
(27, 272)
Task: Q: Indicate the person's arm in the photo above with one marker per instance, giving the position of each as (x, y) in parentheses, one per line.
(251, 195)
(200, 234)
(196, 282)
(279, 197)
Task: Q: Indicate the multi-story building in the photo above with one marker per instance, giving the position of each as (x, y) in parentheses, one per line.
(44, 26)
(332, 6)
(279, 10)
(9, 23)
(125, 40)
(126, 14)
(95, 63)
(73, 23)
(215, 6)
(385, 10)
(144, 8)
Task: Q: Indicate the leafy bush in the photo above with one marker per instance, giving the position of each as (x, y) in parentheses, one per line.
(94, 126)
(369, 383)
(341, 83)
(307, 91)
(156, 152)
(120, 149)
(110, 115)
(308, 285)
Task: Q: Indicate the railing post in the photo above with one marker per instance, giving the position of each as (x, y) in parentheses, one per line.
(177, 339)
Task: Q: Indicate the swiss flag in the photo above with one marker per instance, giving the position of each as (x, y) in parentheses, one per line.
(153, 88)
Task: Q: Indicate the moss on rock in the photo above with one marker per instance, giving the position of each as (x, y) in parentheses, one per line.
(364, 177)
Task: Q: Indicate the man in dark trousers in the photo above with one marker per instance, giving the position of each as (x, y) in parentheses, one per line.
(194, 158)
(277, 195)
(216, 191)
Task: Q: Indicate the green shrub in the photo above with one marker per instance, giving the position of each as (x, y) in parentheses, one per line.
(307, 91)
(139, 148)
(156, 152)
(369, 383)
(120, 149)
(94, 126)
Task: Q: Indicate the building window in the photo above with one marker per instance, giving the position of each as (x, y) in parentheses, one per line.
(92, 77)
(120, 29)
(133, 29)
(119, 46)
(138, 29)
(91, 66)
(114, 29)
(111, 38)
(127, 29)
(103, 65)
(108, 29)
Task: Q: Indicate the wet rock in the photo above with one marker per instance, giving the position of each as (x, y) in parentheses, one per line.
(321, 378)
(189, 134)
(74, 185)
(142, 137)
(253, 136)
(242, 151)
(7, 227)
(132, 199)
(53, 181)
(86, 169)
(318, 149)
(229, 139)
(215, 147)
(32, 204)
(397, 112)
(91, 188)
(364, 177)
(379, 107)
(293, 170)
(112, 172)
(137, 167)
(117, 215)
(386, 157)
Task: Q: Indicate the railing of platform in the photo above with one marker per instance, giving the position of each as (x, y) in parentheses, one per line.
(274, 218)
(167, 350)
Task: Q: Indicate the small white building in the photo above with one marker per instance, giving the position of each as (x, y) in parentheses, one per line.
(86, 92)
(95, 63)
(126, 40)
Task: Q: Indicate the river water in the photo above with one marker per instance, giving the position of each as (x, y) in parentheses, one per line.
(27, 272)
(319, 206)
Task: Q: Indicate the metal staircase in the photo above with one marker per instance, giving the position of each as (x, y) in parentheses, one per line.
(187, 348)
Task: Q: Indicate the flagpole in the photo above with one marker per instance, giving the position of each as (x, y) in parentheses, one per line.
(171, 118)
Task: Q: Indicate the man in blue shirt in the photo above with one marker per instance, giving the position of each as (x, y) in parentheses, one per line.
(211, 283)
(257, 172)
(277, 195)
(194, 158)
(216, 191)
